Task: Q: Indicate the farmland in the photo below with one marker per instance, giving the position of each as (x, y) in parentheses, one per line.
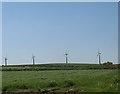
(60, 78)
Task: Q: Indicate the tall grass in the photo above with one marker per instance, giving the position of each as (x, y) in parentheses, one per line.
(62, 80)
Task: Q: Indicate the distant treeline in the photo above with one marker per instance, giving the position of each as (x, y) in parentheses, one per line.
(39, 67)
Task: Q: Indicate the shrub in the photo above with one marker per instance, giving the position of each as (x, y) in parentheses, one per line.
(4, 89)
(117, 81)
(69, 83)
(52, 84)
(108, 63)
(22, 86)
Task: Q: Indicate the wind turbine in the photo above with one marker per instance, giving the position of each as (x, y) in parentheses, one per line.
(6, 61)
(33, 59)
(66, 57)
(99, 57)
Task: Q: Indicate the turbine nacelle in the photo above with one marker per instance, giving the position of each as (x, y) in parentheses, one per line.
(66, 54)
(98, 54)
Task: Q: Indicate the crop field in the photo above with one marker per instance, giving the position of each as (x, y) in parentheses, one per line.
(80, 80)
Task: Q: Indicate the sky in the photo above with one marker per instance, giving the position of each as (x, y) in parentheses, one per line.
(49, 29)
(60, 0)
(0, 33)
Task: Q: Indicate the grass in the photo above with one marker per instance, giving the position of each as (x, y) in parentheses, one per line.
(61, 80)
(0, 79)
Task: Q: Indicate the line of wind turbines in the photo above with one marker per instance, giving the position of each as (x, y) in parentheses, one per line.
(66, 58)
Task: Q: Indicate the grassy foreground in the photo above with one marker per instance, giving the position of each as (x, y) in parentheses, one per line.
(61, 80)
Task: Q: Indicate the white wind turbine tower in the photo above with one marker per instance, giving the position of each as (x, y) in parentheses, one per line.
(66, 57)
(99, 57)
(6, 61)
(33, 59)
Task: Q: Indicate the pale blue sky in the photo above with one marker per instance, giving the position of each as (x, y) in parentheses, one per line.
(60, 0)
(0, 33)
(48, 29)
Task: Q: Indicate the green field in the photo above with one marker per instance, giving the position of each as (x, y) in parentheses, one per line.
(91, 80)
(0, 80)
